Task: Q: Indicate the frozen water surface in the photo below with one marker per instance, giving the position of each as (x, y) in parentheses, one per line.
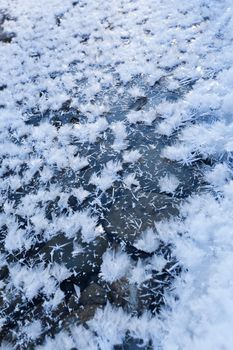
(116, 175)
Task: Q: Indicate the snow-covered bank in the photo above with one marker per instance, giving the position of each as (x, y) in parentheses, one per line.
(113, 116)
(202, 318)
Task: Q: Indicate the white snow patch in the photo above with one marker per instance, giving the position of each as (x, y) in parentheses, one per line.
(168, 183)
(115, 265)
(148, 241)
(131, 156)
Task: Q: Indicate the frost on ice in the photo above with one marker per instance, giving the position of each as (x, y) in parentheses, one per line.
(116, 141)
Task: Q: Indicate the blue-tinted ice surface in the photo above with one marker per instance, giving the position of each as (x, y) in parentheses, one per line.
(116, 190)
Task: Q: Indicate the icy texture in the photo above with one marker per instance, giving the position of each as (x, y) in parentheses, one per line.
(109, 113)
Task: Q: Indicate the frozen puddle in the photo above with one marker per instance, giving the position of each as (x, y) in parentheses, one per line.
(100, 243)
(115, 151)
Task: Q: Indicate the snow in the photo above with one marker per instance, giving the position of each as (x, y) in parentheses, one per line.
(120, 134)
(130, 180)
(139, 273)
(30, 281)
(205, 298)
(90, 56)
(146, 117)
(115, 265)
(33, 330)
(131, 156)
(148, 241)
(107, 176)
(113, 328)
(168, 183)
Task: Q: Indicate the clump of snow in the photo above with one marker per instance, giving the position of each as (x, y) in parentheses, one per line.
(32, 330)
(83, 338)
(32, 280)
(131, 156)
(204, 247)
(140, 273)
(6, 346)
(130, 180)
(54, 301)
(17, 239)
(115, 265)
(60, 342)
(81, 194)
(219, 175)
(146, 117)
(79, 221)
(107, 176)
(168, 183)
(90, 131)
(60, 272)
(158, 262)
(110, 324)
(148, 241)
(120, 134)
(135, 91)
